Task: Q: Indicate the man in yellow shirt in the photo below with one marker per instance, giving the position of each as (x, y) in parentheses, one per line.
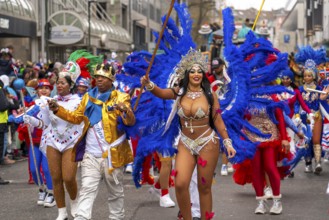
(103, 149)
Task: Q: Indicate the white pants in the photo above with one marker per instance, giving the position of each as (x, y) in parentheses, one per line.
(194, 194)
(92, 171)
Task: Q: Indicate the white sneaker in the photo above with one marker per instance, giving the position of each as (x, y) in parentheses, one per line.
(42, 196)
(166, 202)
(155, 192)
(268, 192)
(223, 171)
(230, 168)
(261, 207)
(318, 169)
(129, 168)
(308, 169)
(276, 209)
(49, 201)
(74, 206)
(62, 214)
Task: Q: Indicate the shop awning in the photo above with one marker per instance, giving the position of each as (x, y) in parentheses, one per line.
(99, 29)
(17, 19)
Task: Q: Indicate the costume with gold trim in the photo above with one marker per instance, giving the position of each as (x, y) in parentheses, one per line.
(121, 155)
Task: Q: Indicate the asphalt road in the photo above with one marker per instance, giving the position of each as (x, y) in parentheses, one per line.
(303, 198)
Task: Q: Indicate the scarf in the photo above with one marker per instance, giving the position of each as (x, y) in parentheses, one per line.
(94, 108)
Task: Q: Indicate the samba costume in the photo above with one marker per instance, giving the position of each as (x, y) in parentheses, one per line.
(39, 160)
(158, 121)
(263, 64)
(61, 136)
(294, 99)
(311, 58)
(325, 129)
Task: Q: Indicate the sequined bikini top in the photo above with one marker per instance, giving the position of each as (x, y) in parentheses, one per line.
(200, 114)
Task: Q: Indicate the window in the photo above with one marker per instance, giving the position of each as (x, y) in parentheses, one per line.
(152, 37)
(101, 10)
(158, 18)
(152, 12)
(144, 8)
(124, 18)
(139, 36)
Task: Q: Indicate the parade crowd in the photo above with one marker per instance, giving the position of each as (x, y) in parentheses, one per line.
(79, 116)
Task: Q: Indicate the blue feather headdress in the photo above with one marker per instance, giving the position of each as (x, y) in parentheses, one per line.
(310, 58)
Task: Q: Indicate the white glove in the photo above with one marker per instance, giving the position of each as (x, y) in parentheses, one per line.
(297, 121)
(34, 122)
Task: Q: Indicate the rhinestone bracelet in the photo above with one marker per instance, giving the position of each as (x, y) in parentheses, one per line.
(150, 86)
(227, 143)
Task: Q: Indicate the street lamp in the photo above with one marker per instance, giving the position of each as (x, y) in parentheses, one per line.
(89, 26)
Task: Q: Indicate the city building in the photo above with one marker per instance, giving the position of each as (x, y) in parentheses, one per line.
(18, 26)
(306, 24)
(42, 30)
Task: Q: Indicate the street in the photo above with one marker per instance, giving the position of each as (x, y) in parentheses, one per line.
(303, 197)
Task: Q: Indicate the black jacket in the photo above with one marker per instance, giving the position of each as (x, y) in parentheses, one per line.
(5, 105)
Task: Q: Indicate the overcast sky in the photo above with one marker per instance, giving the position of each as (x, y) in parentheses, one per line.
(268, 5)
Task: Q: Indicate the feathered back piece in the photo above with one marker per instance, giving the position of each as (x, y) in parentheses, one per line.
(86, 62)
(310, 58)
(251, 68)
(152, 112)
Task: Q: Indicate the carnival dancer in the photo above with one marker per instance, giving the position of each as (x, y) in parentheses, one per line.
(106, 148)
(324, 73)
(198, 109)
(311, 58)
(287, 80)
(265, 160)
(46, 194)
(158, 124)
(325, 132)
(61, 136)
(263, 63)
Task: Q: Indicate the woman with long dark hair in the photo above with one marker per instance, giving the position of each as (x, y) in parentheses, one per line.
(198, 110)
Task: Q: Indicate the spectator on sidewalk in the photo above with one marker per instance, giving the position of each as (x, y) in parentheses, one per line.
(6, 105)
